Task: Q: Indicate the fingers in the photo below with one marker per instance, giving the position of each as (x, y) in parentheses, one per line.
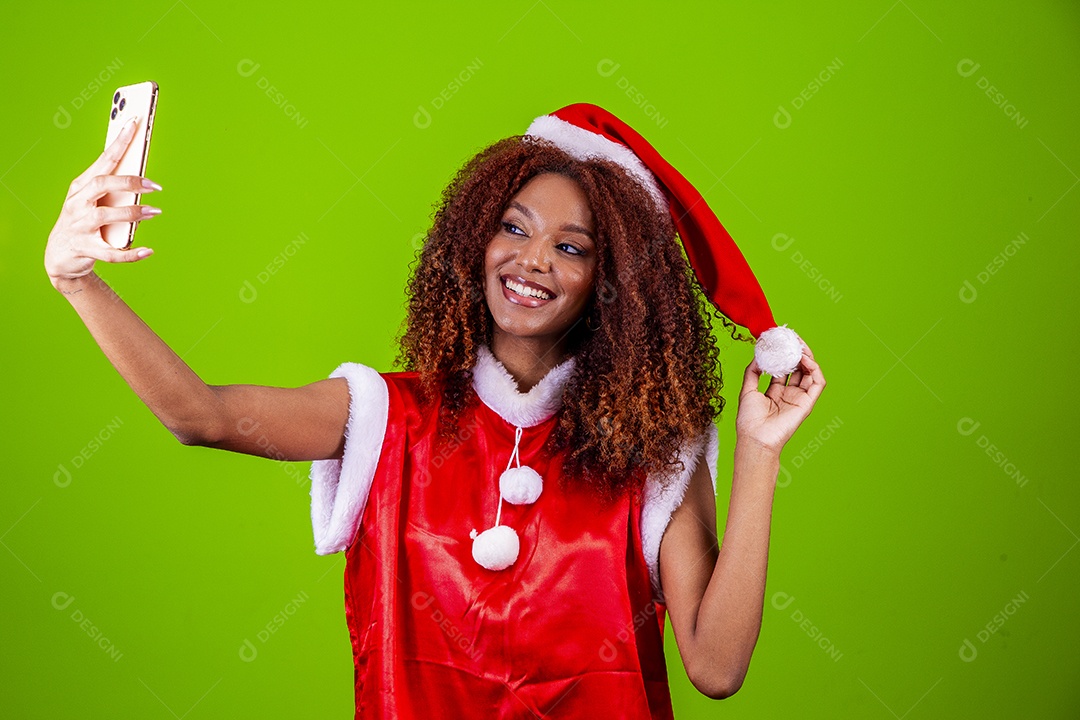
(103, 215)
(76, 240)
(813, 381)
(100, 185)
(750, 378)
(776, 389)
(109, 159)
(796, 376)
(101, 250)
(807, 378)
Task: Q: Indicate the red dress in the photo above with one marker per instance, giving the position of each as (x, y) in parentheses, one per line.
(573, 628)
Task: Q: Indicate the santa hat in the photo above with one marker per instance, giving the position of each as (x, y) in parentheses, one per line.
(587, 131)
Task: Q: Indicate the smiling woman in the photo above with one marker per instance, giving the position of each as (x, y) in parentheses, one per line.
(623, 302)
(524, 502)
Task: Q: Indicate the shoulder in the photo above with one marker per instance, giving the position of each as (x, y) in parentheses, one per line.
(679, 498)
(371, 400)
(365, 380)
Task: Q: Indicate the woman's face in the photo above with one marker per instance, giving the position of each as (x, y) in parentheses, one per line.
(546, 242)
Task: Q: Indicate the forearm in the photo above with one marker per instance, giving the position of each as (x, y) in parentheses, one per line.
(162, 380)
(729, 617)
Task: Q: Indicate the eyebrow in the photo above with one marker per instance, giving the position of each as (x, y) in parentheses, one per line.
(568, 227)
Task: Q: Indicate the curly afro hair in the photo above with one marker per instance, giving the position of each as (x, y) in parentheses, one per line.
(647, 378)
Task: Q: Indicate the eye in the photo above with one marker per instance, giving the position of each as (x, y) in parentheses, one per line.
(510, 227)
(574, 250)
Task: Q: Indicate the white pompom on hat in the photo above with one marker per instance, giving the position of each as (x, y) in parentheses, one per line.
(588, 131)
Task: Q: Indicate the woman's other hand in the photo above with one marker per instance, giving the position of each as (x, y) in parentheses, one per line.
(770, 418)
(75, 241)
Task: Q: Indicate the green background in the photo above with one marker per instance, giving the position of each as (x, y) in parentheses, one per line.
(868, 214)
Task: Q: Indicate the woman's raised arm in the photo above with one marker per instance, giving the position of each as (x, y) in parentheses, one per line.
(305, 423)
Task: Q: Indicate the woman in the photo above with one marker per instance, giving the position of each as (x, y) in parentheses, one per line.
(523, 503)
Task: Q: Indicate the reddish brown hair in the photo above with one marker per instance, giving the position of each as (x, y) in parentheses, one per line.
(645, 379)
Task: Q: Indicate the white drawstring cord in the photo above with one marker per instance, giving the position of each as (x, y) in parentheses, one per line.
(513, 456)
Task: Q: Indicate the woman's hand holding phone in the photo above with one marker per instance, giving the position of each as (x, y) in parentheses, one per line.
(76, 241)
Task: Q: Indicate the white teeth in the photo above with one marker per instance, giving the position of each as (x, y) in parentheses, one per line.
(523, 290)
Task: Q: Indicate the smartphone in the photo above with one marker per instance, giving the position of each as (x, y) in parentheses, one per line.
(139, 99)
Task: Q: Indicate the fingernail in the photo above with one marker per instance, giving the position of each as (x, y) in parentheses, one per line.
(150, 210)
(150, 184)
(132, 123)
(144, 252)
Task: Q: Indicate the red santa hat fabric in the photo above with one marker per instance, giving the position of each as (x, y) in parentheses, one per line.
(588, 131)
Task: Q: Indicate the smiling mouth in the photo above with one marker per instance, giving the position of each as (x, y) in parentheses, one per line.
(526, 295)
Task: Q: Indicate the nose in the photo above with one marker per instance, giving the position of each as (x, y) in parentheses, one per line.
(535, 255)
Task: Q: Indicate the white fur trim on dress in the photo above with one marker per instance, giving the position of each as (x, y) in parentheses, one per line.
(498, 389)
(584, 144)
(660, 502)
(340, 488)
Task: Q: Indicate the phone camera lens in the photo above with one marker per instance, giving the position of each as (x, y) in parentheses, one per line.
(123, 101)
(116, 97)
(113, 116)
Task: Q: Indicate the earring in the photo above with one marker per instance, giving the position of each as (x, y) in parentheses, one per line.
(589, 324)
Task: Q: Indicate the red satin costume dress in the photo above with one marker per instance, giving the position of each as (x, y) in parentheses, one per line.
(573, 628)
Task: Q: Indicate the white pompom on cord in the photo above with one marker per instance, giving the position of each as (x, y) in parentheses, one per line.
(778, 351)
(520, 485)
(496, 548)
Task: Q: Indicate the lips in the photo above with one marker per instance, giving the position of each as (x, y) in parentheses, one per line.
(524, 300)
(522, 281)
